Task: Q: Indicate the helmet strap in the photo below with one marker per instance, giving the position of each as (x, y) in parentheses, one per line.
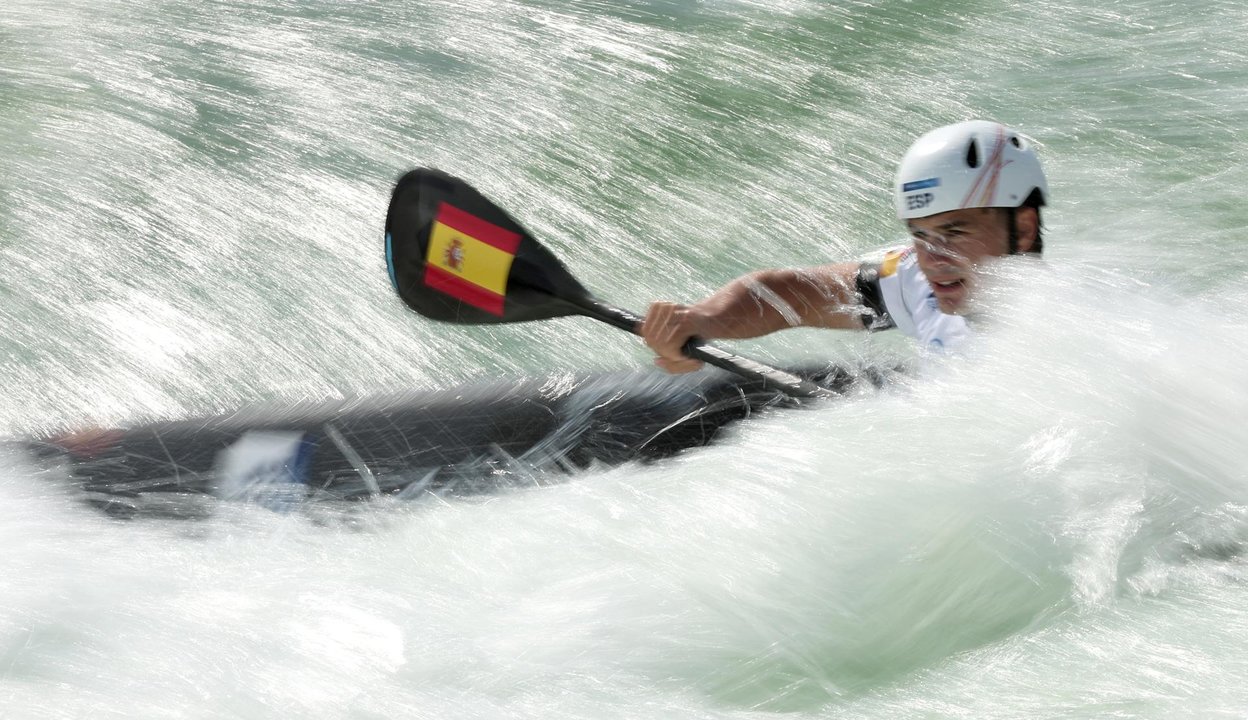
(1013, 246)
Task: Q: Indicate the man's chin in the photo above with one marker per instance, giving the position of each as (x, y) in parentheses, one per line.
(951, 302)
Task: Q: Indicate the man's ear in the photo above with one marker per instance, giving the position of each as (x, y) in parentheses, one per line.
(1027, 223)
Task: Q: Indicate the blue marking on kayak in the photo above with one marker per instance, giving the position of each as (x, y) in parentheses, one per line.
(300, 468)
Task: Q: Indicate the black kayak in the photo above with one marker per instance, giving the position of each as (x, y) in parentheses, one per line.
(469, 439)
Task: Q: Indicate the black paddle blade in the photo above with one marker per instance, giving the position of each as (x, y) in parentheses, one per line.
(455, 256)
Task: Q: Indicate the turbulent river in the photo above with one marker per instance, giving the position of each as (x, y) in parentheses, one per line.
(1051, 524)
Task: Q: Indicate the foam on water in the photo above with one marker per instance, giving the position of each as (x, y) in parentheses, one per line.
(1050, 524)
(1069, 493)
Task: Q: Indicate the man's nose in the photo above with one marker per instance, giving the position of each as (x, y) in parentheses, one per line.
(933, 254)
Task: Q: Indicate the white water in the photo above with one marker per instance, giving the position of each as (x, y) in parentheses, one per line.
(1052, 525)
(1049, 526)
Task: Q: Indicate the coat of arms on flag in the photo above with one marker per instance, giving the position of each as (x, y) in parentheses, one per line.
(454, 255)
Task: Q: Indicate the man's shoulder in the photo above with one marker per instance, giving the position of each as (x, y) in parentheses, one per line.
(891, 260)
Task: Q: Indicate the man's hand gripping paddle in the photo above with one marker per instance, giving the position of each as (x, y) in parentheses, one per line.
(456, 257)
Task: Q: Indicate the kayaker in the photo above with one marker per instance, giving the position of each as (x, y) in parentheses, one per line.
(968, 193)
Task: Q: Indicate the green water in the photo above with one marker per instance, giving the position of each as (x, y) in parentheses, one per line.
(190, 219)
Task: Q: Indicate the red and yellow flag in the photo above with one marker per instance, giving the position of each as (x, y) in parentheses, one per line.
(470, 258)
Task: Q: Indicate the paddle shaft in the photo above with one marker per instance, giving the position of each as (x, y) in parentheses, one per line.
(697, 349)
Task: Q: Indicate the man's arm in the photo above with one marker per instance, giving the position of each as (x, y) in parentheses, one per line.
(753, 305)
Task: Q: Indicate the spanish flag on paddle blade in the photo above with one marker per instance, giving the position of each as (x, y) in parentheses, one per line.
(470, 258)
(454, 256)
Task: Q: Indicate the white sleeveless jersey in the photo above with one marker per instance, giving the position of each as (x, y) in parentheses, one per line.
(896, 294)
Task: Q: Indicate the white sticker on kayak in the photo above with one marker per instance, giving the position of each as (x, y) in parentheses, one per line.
(269, 467)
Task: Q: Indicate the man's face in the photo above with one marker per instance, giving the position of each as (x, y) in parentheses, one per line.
(950, 247)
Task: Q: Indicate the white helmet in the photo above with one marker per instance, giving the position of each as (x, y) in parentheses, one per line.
(968, 165)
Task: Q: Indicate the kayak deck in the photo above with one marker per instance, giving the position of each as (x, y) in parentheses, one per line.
(464, 440)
